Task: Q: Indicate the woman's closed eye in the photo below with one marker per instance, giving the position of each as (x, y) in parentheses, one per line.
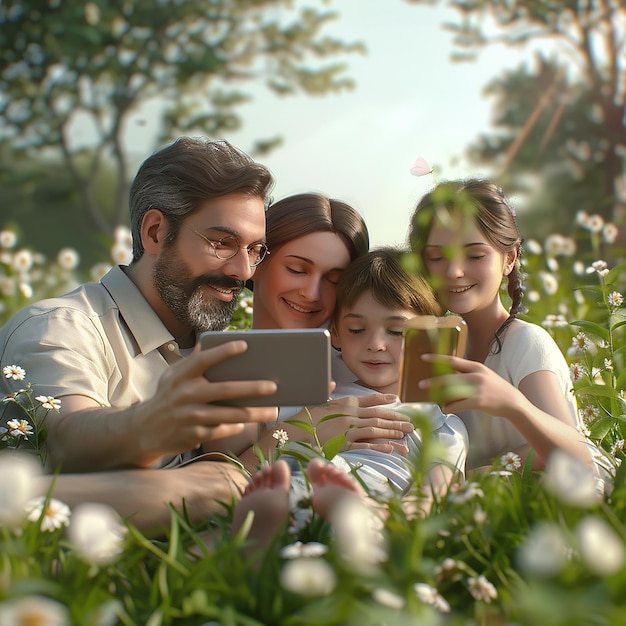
(356, 331)
(434, 258)
(395, 333)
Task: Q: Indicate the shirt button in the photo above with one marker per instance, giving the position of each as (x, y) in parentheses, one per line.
(171, 347)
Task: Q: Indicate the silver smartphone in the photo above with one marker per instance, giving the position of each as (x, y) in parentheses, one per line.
(298, 361)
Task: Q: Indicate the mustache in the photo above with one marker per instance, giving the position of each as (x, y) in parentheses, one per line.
(216, 281)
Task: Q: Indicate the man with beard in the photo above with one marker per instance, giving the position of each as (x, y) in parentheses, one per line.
(112, 352)
(120, 354)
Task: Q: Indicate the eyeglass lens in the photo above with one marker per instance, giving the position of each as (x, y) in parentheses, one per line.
(227, 247)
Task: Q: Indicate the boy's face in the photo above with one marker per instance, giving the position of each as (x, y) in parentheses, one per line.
(370, 337)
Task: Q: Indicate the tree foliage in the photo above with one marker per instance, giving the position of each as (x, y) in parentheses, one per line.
(567, 113)
(561, 144)
(68, 64)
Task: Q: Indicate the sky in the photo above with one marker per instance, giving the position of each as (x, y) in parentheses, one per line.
(410, 100)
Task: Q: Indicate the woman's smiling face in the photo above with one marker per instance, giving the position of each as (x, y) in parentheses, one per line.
(466, 270)
(295, 285)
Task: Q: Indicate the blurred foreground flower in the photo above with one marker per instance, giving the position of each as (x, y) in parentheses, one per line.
(358, 534)
(388, 598)
(600, 547)
(308, 577)
(33, 611)
(570, 480)
(97, 533)
(8, 239)
(299, 550)
(544, 551)
(19, 472)
(53, 513)
(460, 493)
(429, 595)
(481, 589)
(68, 259)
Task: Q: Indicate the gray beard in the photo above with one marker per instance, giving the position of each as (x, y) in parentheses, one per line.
(190, 309)
(214, 316)
(184, 297)
(193, 311)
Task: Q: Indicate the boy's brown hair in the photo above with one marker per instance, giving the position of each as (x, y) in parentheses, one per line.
(380, 272)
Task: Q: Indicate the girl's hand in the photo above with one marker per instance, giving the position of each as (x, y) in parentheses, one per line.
(473, 387)
(368, 422)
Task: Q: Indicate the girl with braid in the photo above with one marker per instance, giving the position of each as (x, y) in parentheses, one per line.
(515, 393)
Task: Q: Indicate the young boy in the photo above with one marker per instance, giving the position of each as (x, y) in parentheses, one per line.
(375, 298)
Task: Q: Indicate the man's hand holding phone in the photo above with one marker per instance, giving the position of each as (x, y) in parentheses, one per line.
(188, 409)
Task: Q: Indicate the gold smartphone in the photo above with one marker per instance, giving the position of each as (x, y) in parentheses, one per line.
(427, 334)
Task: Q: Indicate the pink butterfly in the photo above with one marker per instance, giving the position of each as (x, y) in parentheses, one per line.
(421, 168)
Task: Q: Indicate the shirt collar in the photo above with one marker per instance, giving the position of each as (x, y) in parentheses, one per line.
(141, 319)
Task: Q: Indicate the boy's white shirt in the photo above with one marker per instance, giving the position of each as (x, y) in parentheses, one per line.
(385, 471)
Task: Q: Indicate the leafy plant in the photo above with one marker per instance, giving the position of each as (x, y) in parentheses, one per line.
(508, 546)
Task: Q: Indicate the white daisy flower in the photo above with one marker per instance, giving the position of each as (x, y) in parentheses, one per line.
(615, 298)
(610, 233)
(511, 461)
(582, 343)
(576, 371)
(50, 403)
(99, 270)
(20, 428)
(429, 595)
(68, 258)
(532, 246)
(14, 371)
(595, 223)
(8, 239)
(22, 261)
(55, 515)
(481, 589)
(281, 436)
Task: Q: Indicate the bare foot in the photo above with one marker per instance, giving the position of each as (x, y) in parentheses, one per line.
(330, 486)
(266, 501)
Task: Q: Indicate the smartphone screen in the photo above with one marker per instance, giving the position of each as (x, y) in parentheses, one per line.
(297, 360)
(428, 335)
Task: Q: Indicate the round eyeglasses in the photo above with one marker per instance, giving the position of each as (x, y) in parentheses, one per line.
(227, 247)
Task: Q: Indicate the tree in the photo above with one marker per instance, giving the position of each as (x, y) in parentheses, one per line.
(579, 87)
(547, 147)
(65, 63)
